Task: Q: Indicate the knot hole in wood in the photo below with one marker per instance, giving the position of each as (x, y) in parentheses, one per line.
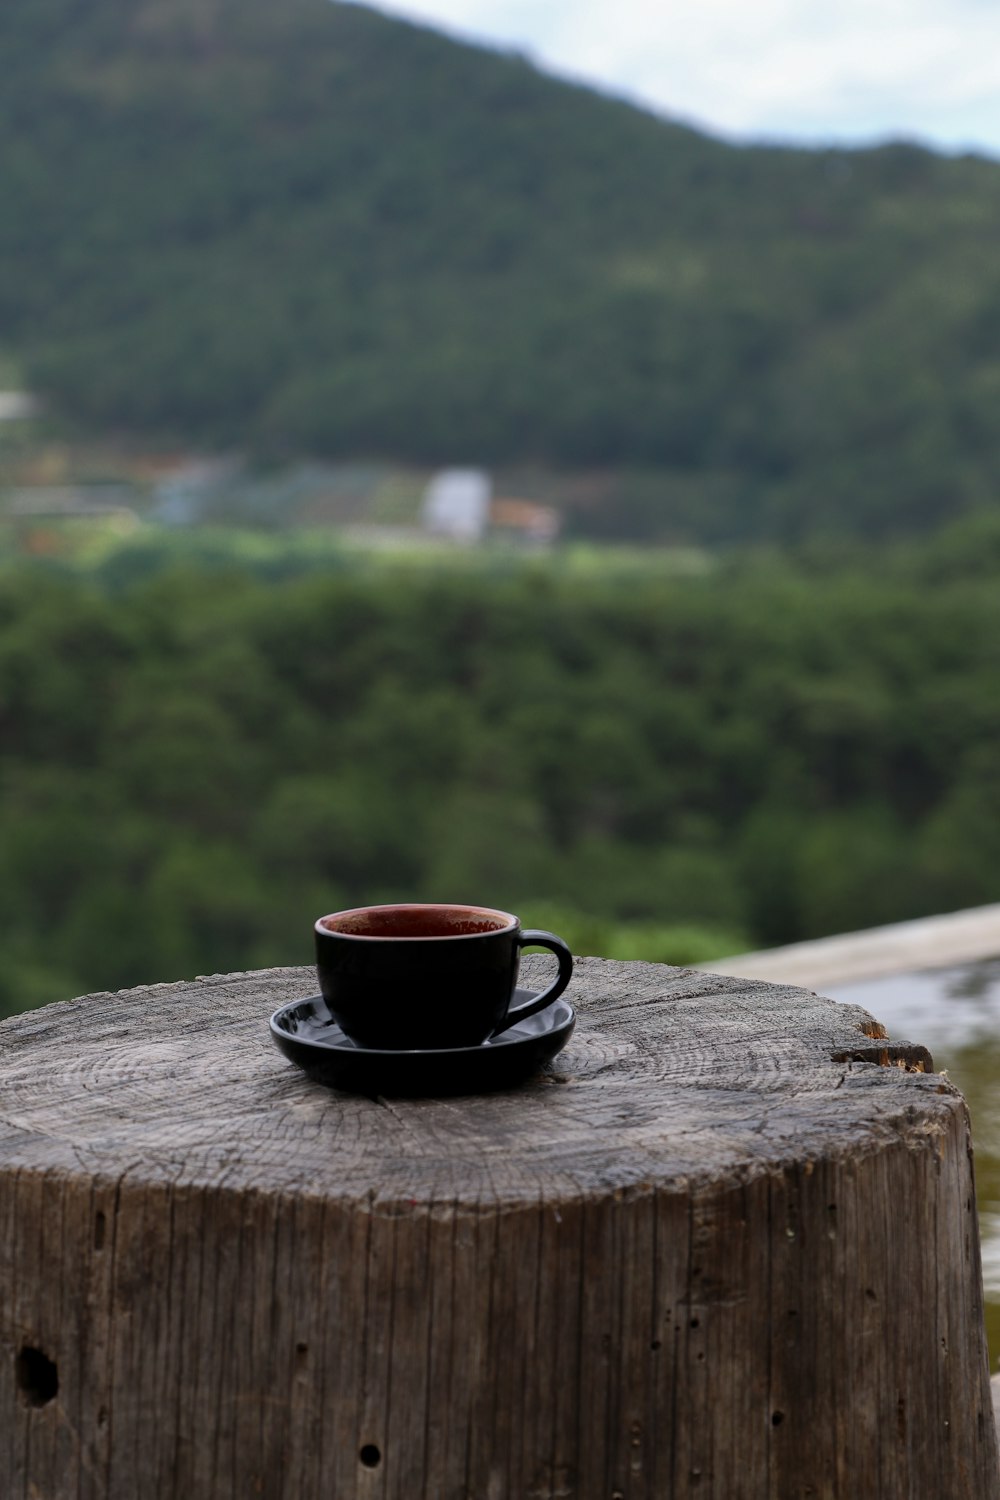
(37, 1376)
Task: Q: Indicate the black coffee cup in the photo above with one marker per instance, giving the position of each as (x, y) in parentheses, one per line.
(428, 976)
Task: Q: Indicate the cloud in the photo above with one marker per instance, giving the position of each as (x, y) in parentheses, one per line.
(801, 69)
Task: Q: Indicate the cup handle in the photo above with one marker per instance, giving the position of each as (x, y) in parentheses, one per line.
(548, 940)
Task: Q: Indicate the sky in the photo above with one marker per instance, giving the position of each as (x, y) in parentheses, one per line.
(790, 70)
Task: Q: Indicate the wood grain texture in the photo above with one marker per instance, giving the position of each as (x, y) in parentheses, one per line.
(726, 1247)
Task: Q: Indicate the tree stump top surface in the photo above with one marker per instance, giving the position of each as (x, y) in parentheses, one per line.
(672, 1078)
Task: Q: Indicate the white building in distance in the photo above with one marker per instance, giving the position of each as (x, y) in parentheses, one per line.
(18, 406)
(456, 504)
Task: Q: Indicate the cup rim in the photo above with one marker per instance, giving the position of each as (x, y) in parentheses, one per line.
(510, 922)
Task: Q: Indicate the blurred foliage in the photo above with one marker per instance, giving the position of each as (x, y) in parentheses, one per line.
(199, 753)
(309, 227)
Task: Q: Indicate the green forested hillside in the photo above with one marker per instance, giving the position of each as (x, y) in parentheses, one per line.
(195, 763)
(307, 228)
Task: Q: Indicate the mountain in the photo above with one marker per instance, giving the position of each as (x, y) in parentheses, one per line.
(309, 228)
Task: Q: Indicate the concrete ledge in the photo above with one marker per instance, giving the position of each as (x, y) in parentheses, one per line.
(928, 943)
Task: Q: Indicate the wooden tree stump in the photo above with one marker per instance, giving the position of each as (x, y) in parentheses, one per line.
(723, 1249)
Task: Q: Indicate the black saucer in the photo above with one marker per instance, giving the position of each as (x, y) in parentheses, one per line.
(308, 1036)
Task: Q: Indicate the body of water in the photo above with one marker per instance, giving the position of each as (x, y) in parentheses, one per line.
(956, 1014)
